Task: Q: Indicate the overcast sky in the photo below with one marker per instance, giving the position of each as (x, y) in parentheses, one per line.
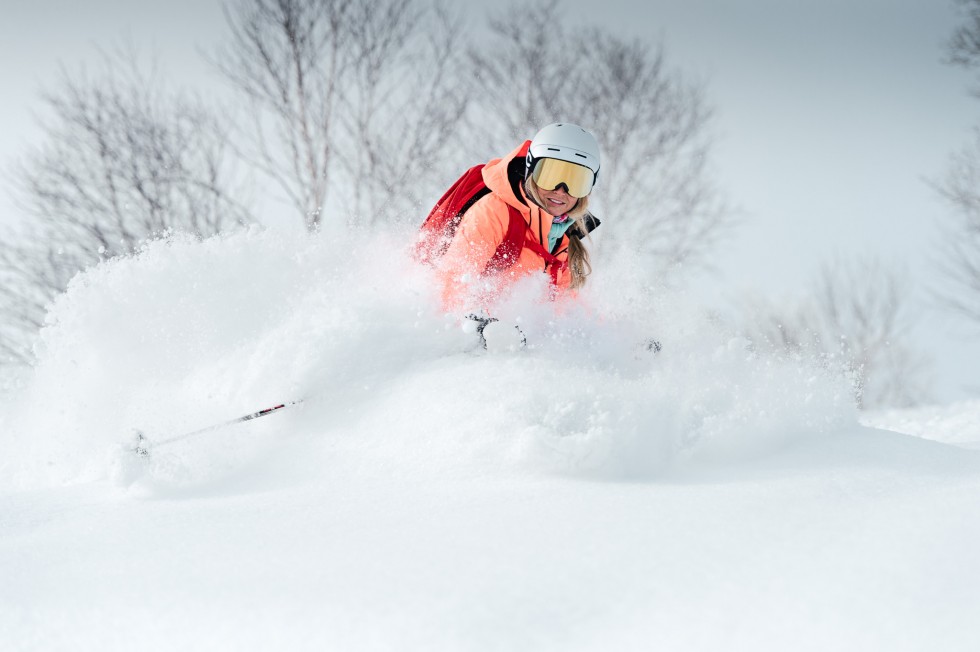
(830, 117)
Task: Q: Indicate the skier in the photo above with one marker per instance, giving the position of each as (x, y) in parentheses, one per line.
(532, 220)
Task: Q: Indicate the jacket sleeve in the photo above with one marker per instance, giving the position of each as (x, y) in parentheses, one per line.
(480, 232)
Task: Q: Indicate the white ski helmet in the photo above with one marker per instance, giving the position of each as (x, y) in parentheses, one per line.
(565, 142)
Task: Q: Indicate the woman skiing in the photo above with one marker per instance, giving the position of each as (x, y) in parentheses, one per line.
(516, 216)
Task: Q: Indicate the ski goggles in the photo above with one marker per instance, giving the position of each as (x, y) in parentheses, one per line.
(549, 173)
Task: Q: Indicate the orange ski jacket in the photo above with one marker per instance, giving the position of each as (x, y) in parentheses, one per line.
(484, 227)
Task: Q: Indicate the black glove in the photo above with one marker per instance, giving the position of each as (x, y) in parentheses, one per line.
(502, 338)
(481, 323)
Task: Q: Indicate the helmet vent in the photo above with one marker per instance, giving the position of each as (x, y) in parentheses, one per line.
(582, 155)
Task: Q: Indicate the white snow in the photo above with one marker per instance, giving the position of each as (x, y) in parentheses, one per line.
(958, 423)
(584, 494)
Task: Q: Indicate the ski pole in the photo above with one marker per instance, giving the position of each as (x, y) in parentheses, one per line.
(143, 443)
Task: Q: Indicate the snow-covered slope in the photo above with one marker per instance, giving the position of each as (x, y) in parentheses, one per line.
(958, 423)
(581, 495)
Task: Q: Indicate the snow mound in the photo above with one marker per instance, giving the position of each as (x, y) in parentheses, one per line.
(189, 333)
(957, 423)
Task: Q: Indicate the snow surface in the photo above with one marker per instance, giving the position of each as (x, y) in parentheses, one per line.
(584, 494)
(958, 423)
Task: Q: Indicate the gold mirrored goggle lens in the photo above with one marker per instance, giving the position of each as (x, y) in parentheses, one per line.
(549, 173)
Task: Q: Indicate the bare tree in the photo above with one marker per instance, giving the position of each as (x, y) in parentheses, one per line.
(349, 100)
(855, 322)
(406, 97)
(123, 160)
(963, 48)
(286, 57)
(959, 256)
(651, 124)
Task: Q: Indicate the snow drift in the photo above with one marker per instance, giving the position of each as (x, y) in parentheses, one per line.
(583, 494)
(957, 423)
(189, 333)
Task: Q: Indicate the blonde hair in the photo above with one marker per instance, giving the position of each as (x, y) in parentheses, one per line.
(578, 255)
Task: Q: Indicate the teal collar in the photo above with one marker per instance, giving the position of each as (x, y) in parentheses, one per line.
(557, 231)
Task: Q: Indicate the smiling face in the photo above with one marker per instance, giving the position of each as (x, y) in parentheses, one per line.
(556, 202)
